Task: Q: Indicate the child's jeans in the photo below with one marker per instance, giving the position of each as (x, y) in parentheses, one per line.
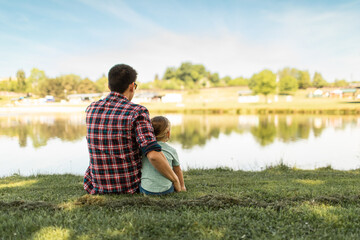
(171, 190)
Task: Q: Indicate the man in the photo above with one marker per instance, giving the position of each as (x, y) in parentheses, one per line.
(118, 132)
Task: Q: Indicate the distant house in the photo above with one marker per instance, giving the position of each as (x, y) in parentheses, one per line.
(146, 97)
(246, 96)
(318, 93)
(76, 98)
(172, 98)
(349, 92)
(344, 93)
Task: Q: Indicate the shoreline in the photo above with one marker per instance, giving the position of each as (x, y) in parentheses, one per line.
(172, 108)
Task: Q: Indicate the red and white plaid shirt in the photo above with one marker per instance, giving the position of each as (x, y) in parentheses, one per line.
(118, 131)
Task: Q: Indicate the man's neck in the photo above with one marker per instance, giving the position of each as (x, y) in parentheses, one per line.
(125, 94)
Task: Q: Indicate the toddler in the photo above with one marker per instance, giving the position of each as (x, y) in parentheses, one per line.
(153, 182)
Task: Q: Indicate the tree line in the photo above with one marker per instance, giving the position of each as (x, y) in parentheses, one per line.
(196, 76)
(37, 83)
(186, 76)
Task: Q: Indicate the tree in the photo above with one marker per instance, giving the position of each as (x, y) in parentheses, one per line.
(102, 84)
(214, 78)
(288, 85)
(51, 86)
(191, 75)
(240, 81)
(170, 73)
(225, 80)
(289, 72)
(302, 77)
(21, 84)
(304, 80)
(36, 77)
(341, 83)
(69, 83)
(87, 86)
(319, 81)
(263, 83)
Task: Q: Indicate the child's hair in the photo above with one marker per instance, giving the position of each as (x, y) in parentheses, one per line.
(161, 127)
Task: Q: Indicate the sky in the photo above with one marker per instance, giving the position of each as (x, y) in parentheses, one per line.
(233, 38)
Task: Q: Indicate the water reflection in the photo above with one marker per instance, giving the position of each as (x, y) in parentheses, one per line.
(40, 129)
(49, 143)
(187, 130)
(197, 130)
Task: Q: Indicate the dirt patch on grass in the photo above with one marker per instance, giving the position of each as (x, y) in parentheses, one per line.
(207, 201)
(27, 205)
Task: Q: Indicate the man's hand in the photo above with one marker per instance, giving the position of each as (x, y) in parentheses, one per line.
(160, 163)
(177, 186)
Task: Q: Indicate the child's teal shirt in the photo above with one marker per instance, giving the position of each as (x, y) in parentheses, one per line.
(151, 179)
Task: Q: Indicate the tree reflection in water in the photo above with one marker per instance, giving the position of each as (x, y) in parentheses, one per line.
(265, 132)
(190, 131)
(40, 129)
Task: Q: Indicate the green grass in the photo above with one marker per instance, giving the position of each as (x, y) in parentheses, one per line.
(277, 203)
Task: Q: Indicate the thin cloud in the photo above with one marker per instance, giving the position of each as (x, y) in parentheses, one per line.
(324, 40)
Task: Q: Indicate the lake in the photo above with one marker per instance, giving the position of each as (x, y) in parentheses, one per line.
(55, 143)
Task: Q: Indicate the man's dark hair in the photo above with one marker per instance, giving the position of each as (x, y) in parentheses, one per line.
(120, 76)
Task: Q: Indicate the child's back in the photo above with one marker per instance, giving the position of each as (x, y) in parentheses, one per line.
(151, 179)
(153, 182)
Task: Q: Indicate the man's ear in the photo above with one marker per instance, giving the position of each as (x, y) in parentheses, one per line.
(131, 87)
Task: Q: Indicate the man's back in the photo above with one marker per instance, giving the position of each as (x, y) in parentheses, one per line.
(116, 131)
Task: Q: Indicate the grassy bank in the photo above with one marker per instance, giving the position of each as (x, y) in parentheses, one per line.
(277, 203)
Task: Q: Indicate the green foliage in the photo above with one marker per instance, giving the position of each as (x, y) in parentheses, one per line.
(302, 77)
(226, 80)
(289, 72)
(304, 80)
(288, 85)
(319, 81)
(21, 83)
(170, 73)
(51, 86)
(35, 79)
(10, 85)
(214, 78)
(240, 81)
(340, 83)
(69, 83)
(87, 86)
(102, 84)
(188, 76)
(263, 82)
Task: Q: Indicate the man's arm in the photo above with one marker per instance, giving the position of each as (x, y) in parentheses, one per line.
(179, 173)
(159, 161)
(145, 137)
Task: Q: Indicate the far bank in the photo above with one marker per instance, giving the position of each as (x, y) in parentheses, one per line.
(209, 101)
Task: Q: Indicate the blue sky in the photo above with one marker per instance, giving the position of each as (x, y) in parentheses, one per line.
(235, 38)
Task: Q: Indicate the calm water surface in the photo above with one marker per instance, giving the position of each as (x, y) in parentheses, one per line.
(55, 143)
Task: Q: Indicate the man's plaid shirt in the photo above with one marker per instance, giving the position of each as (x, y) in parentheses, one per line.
(118, 131)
